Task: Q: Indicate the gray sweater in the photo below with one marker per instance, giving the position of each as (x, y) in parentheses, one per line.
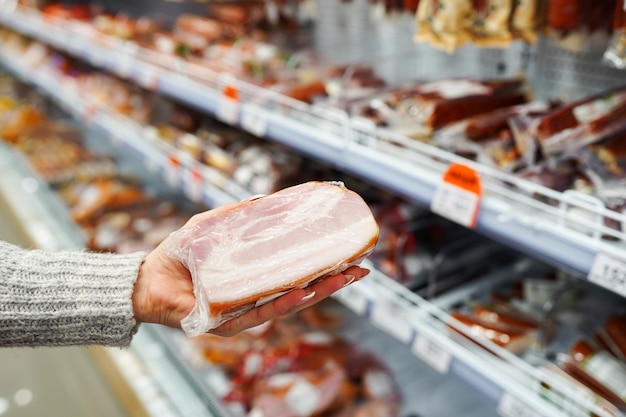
(66, 298)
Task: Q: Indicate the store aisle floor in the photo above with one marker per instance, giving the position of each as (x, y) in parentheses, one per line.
(53, 382)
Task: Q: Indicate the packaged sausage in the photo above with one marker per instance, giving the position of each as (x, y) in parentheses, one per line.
(604, 163)
(245, 254)
(491, 23)
(599, 370)
(515, 339)
(555, 372)
(444, 24)
(508, 317)
(615, 55)
(421, 109)
(613, 334)
(529, 19)
(566, 17)
(582, 122)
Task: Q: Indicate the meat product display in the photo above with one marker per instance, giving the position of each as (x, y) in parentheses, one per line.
(419, 110)
(491, 23)
(514, 339)
(582, 122)
(528, 19)
(615, 54)
(599, 370)
(243, 255)
(444, 24)
(615, 335)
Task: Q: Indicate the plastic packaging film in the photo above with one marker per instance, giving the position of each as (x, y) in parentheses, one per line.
(245, 254)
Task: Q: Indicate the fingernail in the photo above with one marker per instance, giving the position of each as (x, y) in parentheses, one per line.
(306, 298)
(365, 272)
(349, 280)
(252, 198)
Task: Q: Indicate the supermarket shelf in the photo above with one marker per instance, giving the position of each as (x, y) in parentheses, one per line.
(176, 167)
(505, 381)
(411, 169)
(568, 234)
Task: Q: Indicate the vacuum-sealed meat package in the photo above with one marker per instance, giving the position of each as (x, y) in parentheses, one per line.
(243, 255)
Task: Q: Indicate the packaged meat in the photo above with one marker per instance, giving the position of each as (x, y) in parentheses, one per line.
(580, 25)
(599, 370)
(565, 15)
(444, 24)
(490, 25)
(528, 20)
(419, 110)
(241, 256)
(493, 314)
(554, 372)
(491, 137)
(582, 122)
(614, 332)
(512, 338)
(615, 54)
(301, 394)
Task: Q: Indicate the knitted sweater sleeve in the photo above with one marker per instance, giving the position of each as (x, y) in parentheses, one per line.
(66, 298)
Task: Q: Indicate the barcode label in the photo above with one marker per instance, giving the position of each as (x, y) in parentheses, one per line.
(432, 353)
(509, 406)
(456, 204)
(254, 121)
(609, 273)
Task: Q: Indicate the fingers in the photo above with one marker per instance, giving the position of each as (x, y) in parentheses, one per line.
(291, 302)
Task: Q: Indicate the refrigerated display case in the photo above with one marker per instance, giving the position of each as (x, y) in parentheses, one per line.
(564, 229)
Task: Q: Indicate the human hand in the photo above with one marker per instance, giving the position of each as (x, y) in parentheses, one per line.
(164, 294)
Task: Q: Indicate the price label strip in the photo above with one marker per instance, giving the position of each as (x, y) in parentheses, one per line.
(194, 184)
(609, 272)
(228, 106)
(172, 170)
(458, 195)
(393, 321)
(254, 121)
(510, 406)
(432, 353)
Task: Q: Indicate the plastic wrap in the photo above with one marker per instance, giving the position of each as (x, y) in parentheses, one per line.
(421, 109)
(582, 123)
(615, 54)
(528, 19)
(444, 24)
(243, 255)
(491, 23)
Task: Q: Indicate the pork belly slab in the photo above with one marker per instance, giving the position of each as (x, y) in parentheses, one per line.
(244, 256)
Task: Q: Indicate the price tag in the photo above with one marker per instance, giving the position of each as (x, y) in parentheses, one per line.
(458, 196)
(172, 170)
(228, 106)
(392, 321)
(609, 273)
(194, 184)
(432, 353)
(254, 121)
(509, 406)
